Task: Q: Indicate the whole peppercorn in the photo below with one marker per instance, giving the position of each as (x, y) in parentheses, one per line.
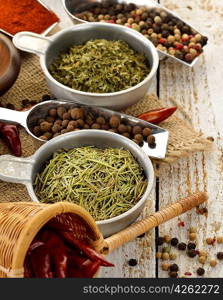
(158, 255)
(122, 128)
(73, 123)
(220, 239)
(202, 253)
(182, 246)
(136, 129)
(95, 126)
(165, 256)
(43, 137)
(58, 122)
(60, 111)
(213, 263)
(173, 274)
(157, 20)
(36, 130)
(192, 253)
(165, 266)
(70, 128)
(80, 123)
(45, 126)
(166, 249)
(138, 137)
(191, 246)
(66, 116)
(174, 242)
(114, 121)
(86, 126)
(77, 113)
(105, 126)
(89, 120)
(173, 256)
(50, 119)
(65, 123)
(192, 236)
(202, 259)
(146, 131)
(151, 140)
(56, 128)
(167, 238)
(200, 271)
(132, 262)
(174, 268)
(159, 241)
(52, 112)
(188, 57)
(100, 120)
(220, 255)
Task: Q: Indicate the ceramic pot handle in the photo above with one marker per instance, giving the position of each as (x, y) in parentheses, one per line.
(14, 169)
(31, 42)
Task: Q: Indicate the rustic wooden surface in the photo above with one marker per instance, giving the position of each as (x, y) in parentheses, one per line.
(199, 92)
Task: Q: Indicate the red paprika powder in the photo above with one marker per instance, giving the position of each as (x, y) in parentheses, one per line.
(25, 15)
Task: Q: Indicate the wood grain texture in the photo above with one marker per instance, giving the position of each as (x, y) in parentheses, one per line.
(198, 91)
(143, 249)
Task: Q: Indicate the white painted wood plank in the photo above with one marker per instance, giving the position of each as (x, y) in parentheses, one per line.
(199, 92)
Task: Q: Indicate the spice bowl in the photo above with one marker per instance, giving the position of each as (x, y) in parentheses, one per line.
(50, 48)
(24, 170)
(127, 13)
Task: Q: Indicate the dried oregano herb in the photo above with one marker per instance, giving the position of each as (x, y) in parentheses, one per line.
(106, 182)
(100, 66)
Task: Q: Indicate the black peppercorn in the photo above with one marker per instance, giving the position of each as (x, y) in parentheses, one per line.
(182, 246)
(180, 24)
(157, 29)
(220, 255)
(46, 97)
(173, 274)
(204, 40)
(160, 240)
(191, 246)
(200, 271)
(174, 241)
(174, 268)
(132, 262)
(185, 29)
(192, 253)
(165, 33)
(25, 102)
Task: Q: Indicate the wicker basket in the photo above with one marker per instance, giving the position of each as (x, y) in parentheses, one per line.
(20, 222)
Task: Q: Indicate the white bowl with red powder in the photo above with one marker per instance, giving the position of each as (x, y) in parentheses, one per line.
(26, 15)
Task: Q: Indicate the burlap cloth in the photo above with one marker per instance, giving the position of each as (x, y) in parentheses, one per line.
(31, 85)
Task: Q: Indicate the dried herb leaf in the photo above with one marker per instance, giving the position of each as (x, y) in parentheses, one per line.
(100, 66)
(106, 182)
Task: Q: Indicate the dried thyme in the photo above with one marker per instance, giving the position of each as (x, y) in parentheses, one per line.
(106, 182)
(100, 66)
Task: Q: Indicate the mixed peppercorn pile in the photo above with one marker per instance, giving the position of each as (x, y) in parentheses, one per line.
(56, 253)
(168, 33)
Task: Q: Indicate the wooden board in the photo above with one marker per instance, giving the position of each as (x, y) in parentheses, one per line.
(199, 92)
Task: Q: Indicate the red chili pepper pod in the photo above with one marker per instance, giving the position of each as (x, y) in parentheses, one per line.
(10, 134)
(40, 261)
(92, 269)
(89, 252)
(156, 116)
(59, 255)
(28, 270)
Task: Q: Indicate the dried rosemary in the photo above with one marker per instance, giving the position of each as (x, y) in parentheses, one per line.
(100, 66)
(106, 182)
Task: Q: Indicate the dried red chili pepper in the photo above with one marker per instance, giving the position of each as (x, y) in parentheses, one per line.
(35, 245)
(28, 270)
(92, 268)
(40, 261)
(59, 254)
(156, 116)
(10, 134)
(92, 254)
(181, 224)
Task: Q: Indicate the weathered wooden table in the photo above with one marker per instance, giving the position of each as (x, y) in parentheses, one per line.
(199, 91)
